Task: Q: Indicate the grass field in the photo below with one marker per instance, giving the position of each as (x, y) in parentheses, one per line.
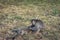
(18, 13)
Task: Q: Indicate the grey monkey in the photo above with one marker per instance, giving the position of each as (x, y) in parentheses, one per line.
(36, 25)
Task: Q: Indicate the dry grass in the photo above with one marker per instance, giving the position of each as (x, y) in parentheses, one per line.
(17, 16)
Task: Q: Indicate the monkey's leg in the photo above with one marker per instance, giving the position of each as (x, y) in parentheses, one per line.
(38, 31)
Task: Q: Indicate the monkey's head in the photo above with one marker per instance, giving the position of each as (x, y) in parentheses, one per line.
(34, 21)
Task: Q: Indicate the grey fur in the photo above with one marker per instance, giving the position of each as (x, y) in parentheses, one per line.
(36, 25)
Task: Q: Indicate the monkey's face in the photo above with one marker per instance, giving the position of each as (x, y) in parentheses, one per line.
(33, 22)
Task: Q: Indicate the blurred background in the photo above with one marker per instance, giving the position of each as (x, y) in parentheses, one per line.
(18, 13)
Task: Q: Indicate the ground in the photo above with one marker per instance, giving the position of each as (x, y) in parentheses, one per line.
(18, 13)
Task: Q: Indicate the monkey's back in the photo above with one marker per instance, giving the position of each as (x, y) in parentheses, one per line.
(39, 25)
